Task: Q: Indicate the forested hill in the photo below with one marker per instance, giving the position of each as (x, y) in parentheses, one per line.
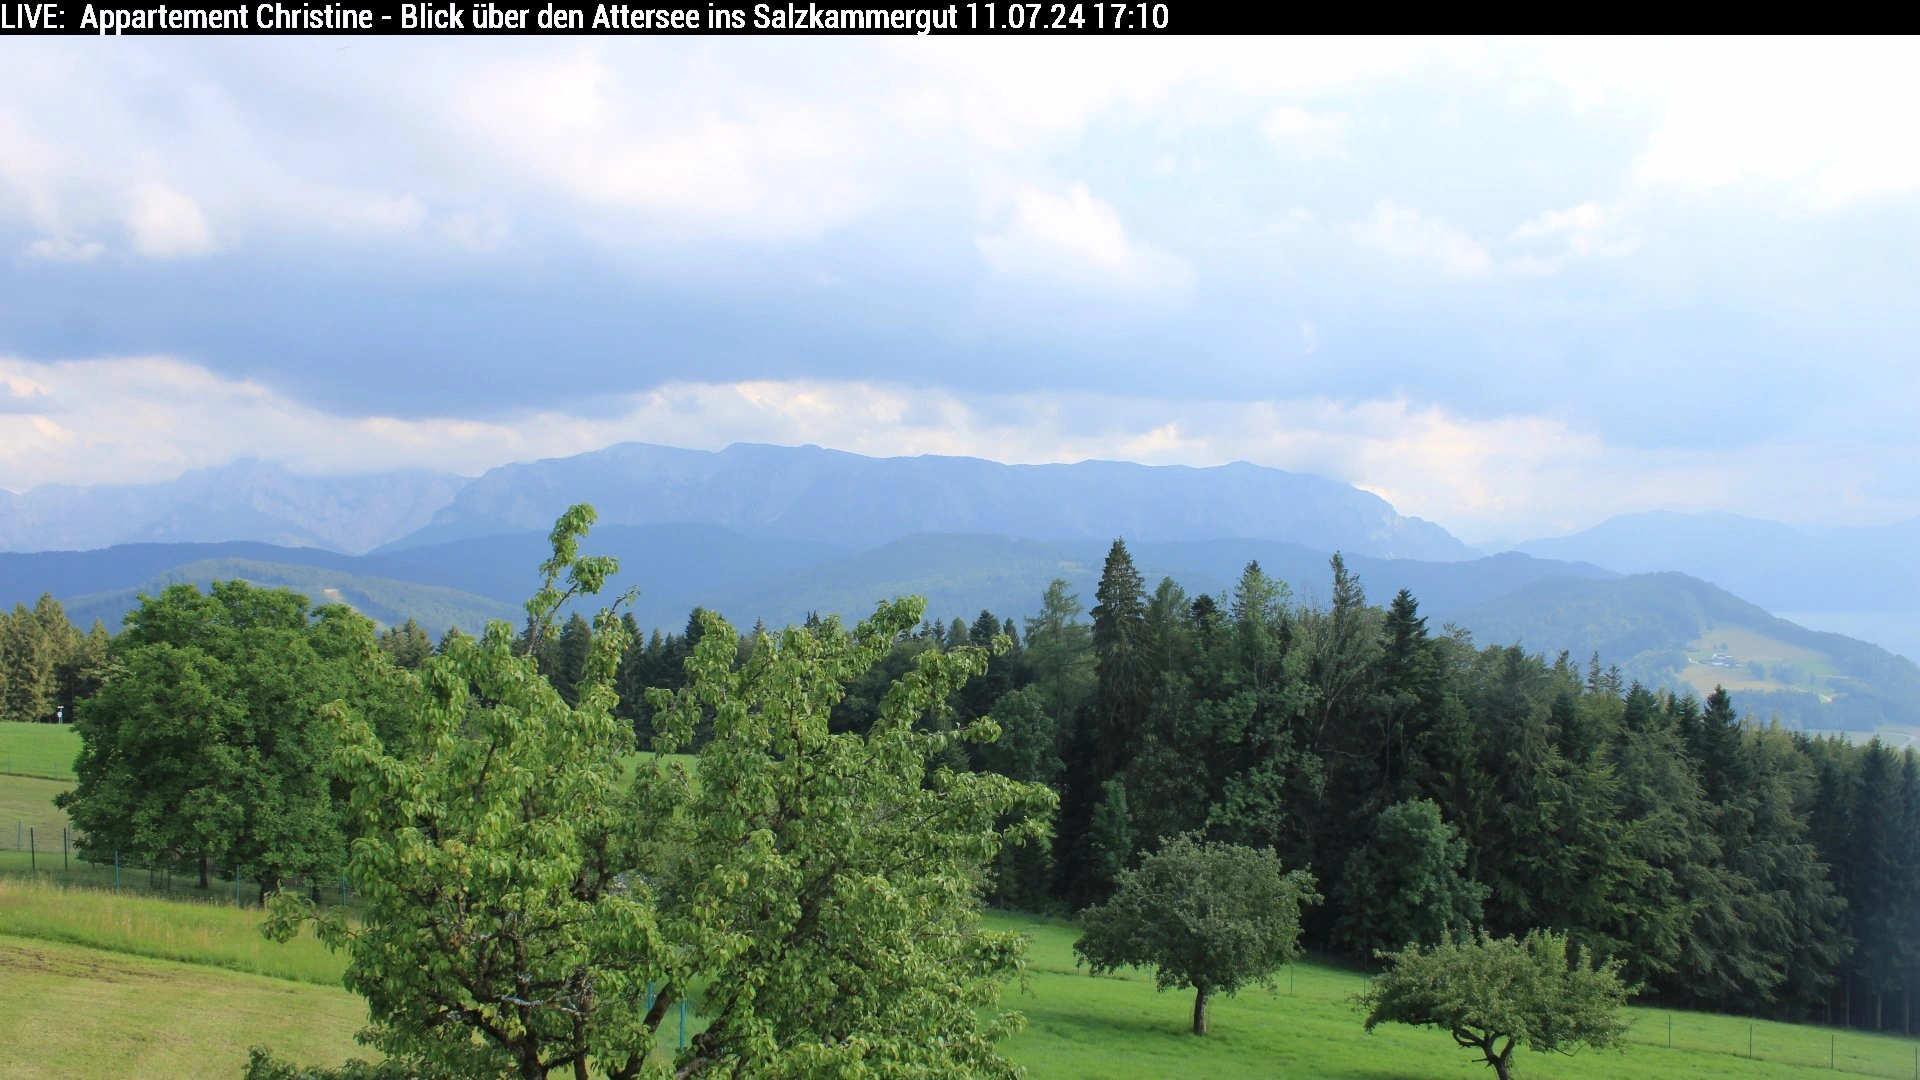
(807, 493)
(1664, 629)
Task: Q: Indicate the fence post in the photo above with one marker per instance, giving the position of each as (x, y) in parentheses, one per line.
(33, 854)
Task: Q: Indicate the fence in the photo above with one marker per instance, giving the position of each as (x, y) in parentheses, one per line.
(1844, 1050)
(50, 850)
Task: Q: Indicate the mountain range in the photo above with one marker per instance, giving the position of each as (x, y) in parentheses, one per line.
(774, 533)
(798, 493)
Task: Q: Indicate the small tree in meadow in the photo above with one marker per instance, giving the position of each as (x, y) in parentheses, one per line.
(1206, 916)
(1496, 994)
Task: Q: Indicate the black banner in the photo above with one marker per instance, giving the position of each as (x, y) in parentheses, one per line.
(640, 17)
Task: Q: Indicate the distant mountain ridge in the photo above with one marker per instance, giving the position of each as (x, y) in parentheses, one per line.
(1780, 567)
(797, 493)
(245, 500)
(829, 496)
(1650, 624)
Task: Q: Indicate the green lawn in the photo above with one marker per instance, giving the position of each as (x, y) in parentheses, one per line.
(44, 750)
(1116, 1027)
(92, 1018)
(79, 1012)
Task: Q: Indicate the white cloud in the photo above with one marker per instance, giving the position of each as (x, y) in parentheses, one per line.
(1827, 118)
(1077, 240)
(1306, 134)
(1409, 235)
(1589, 230)
(61, 249)
(164, 224)
(149, 418)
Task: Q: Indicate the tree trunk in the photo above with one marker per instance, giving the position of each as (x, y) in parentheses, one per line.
(1503, 1064)
(203, 871)
(1200, 1010)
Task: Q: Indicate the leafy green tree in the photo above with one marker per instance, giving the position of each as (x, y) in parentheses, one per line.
(1494, 995)
(1026, 747)
(814, 895)
(1405, 886)
(826, 884)
(1207, 916)
(208, 742)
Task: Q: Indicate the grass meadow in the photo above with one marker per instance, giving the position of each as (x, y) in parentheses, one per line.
(148, 983)
(43, 750)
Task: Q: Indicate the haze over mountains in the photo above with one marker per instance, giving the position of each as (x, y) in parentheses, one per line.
(777, 532)
(245, 500)
(1861, 581)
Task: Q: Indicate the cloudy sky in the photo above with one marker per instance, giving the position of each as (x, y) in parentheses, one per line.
(1513, 287)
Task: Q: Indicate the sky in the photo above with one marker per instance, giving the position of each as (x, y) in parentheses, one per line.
(1514, 287)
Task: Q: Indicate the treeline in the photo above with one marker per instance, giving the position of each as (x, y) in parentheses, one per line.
(1432, 786)
(46, 663)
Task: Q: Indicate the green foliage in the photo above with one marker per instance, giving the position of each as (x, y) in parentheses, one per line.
(1405, 885)
(1495, 994)
(816, 893)
(825, 885)
(46, 665)
(207, 743)
(1212, 917)
(408, 645)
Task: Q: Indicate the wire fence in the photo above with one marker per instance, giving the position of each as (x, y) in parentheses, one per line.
(50, 849)
(1809, 1046)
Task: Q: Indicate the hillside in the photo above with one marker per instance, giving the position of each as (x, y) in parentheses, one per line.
(1664, 629)
(384, 600)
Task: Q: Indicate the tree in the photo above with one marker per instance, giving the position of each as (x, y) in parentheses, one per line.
(208, 742)
(1405, 885)
(1207, 916)
(27, 655)
(80, 674)
(814, 895)
(408, 644)
(1059, 651)
(1495, 994)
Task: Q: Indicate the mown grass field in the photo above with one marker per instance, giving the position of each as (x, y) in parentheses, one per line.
(44, 750)
(1114, 1027)
(85, 1013)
